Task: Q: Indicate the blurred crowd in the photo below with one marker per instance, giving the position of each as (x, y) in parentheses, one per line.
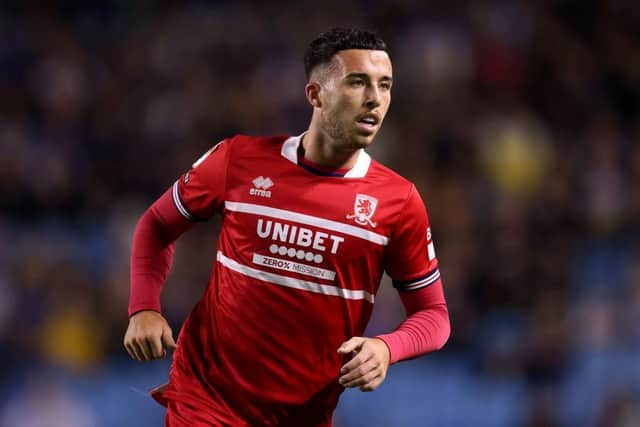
(519, 121)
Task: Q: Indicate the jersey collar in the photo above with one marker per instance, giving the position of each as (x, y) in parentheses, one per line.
(359, 170)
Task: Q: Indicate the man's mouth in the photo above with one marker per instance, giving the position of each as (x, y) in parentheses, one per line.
(368, 121)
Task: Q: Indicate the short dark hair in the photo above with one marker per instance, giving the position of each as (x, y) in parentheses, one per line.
(327, 44)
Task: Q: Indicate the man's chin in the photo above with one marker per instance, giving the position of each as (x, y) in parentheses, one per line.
(362, 141)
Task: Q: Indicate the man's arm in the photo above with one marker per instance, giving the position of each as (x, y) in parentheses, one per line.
(151, 258)
(425, 329)
(196, 196)
(412, 264)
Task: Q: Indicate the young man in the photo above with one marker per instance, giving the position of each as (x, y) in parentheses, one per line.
(310, 223)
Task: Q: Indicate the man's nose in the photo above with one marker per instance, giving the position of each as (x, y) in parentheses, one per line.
(372, 97)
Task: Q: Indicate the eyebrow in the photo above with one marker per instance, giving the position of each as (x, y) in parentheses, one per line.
(366, 76)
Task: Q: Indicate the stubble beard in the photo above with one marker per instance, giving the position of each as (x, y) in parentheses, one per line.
(338, 132)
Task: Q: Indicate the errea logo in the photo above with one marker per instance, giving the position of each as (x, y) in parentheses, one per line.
(261, 187)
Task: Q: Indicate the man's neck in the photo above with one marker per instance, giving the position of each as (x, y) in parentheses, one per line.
(318, 149)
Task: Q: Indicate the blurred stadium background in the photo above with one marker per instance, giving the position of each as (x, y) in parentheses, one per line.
(518, 120)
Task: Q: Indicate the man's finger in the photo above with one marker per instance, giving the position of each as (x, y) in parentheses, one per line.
(154, 345)
(141, 346)
(136, 351)
(362, 357)
(130, 351)
(362, 380)
(167, 338)
(354, 363)
(352, 344)
(373, 384)
(359, 371)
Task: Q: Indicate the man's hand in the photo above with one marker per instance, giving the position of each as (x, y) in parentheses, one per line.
(148, 335)
(368, 367)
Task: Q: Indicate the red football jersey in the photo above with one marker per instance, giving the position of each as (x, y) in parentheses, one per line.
(299, 260)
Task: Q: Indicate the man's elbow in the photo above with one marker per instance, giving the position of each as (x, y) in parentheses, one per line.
(445, 329)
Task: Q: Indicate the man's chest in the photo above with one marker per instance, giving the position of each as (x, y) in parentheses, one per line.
(312, 225)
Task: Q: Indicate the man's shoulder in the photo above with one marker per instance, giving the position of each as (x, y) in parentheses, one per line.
(253, 142)
(392, 177)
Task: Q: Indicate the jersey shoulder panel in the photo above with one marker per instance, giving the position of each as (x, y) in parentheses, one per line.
(379, 170)
(246, 144)
(410, 258)
(396, 187)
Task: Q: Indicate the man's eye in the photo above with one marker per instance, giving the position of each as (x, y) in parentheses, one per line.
(385, 86)
(357, 83)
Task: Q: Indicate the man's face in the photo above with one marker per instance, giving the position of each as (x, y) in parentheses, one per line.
(355, 95)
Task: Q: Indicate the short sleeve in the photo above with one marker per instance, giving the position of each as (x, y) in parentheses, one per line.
(200, 192)
(410, 257)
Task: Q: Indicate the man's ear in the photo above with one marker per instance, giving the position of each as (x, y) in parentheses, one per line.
(312, 90)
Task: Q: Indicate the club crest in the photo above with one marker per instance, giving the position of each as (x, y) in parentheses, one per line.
(363, 209)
